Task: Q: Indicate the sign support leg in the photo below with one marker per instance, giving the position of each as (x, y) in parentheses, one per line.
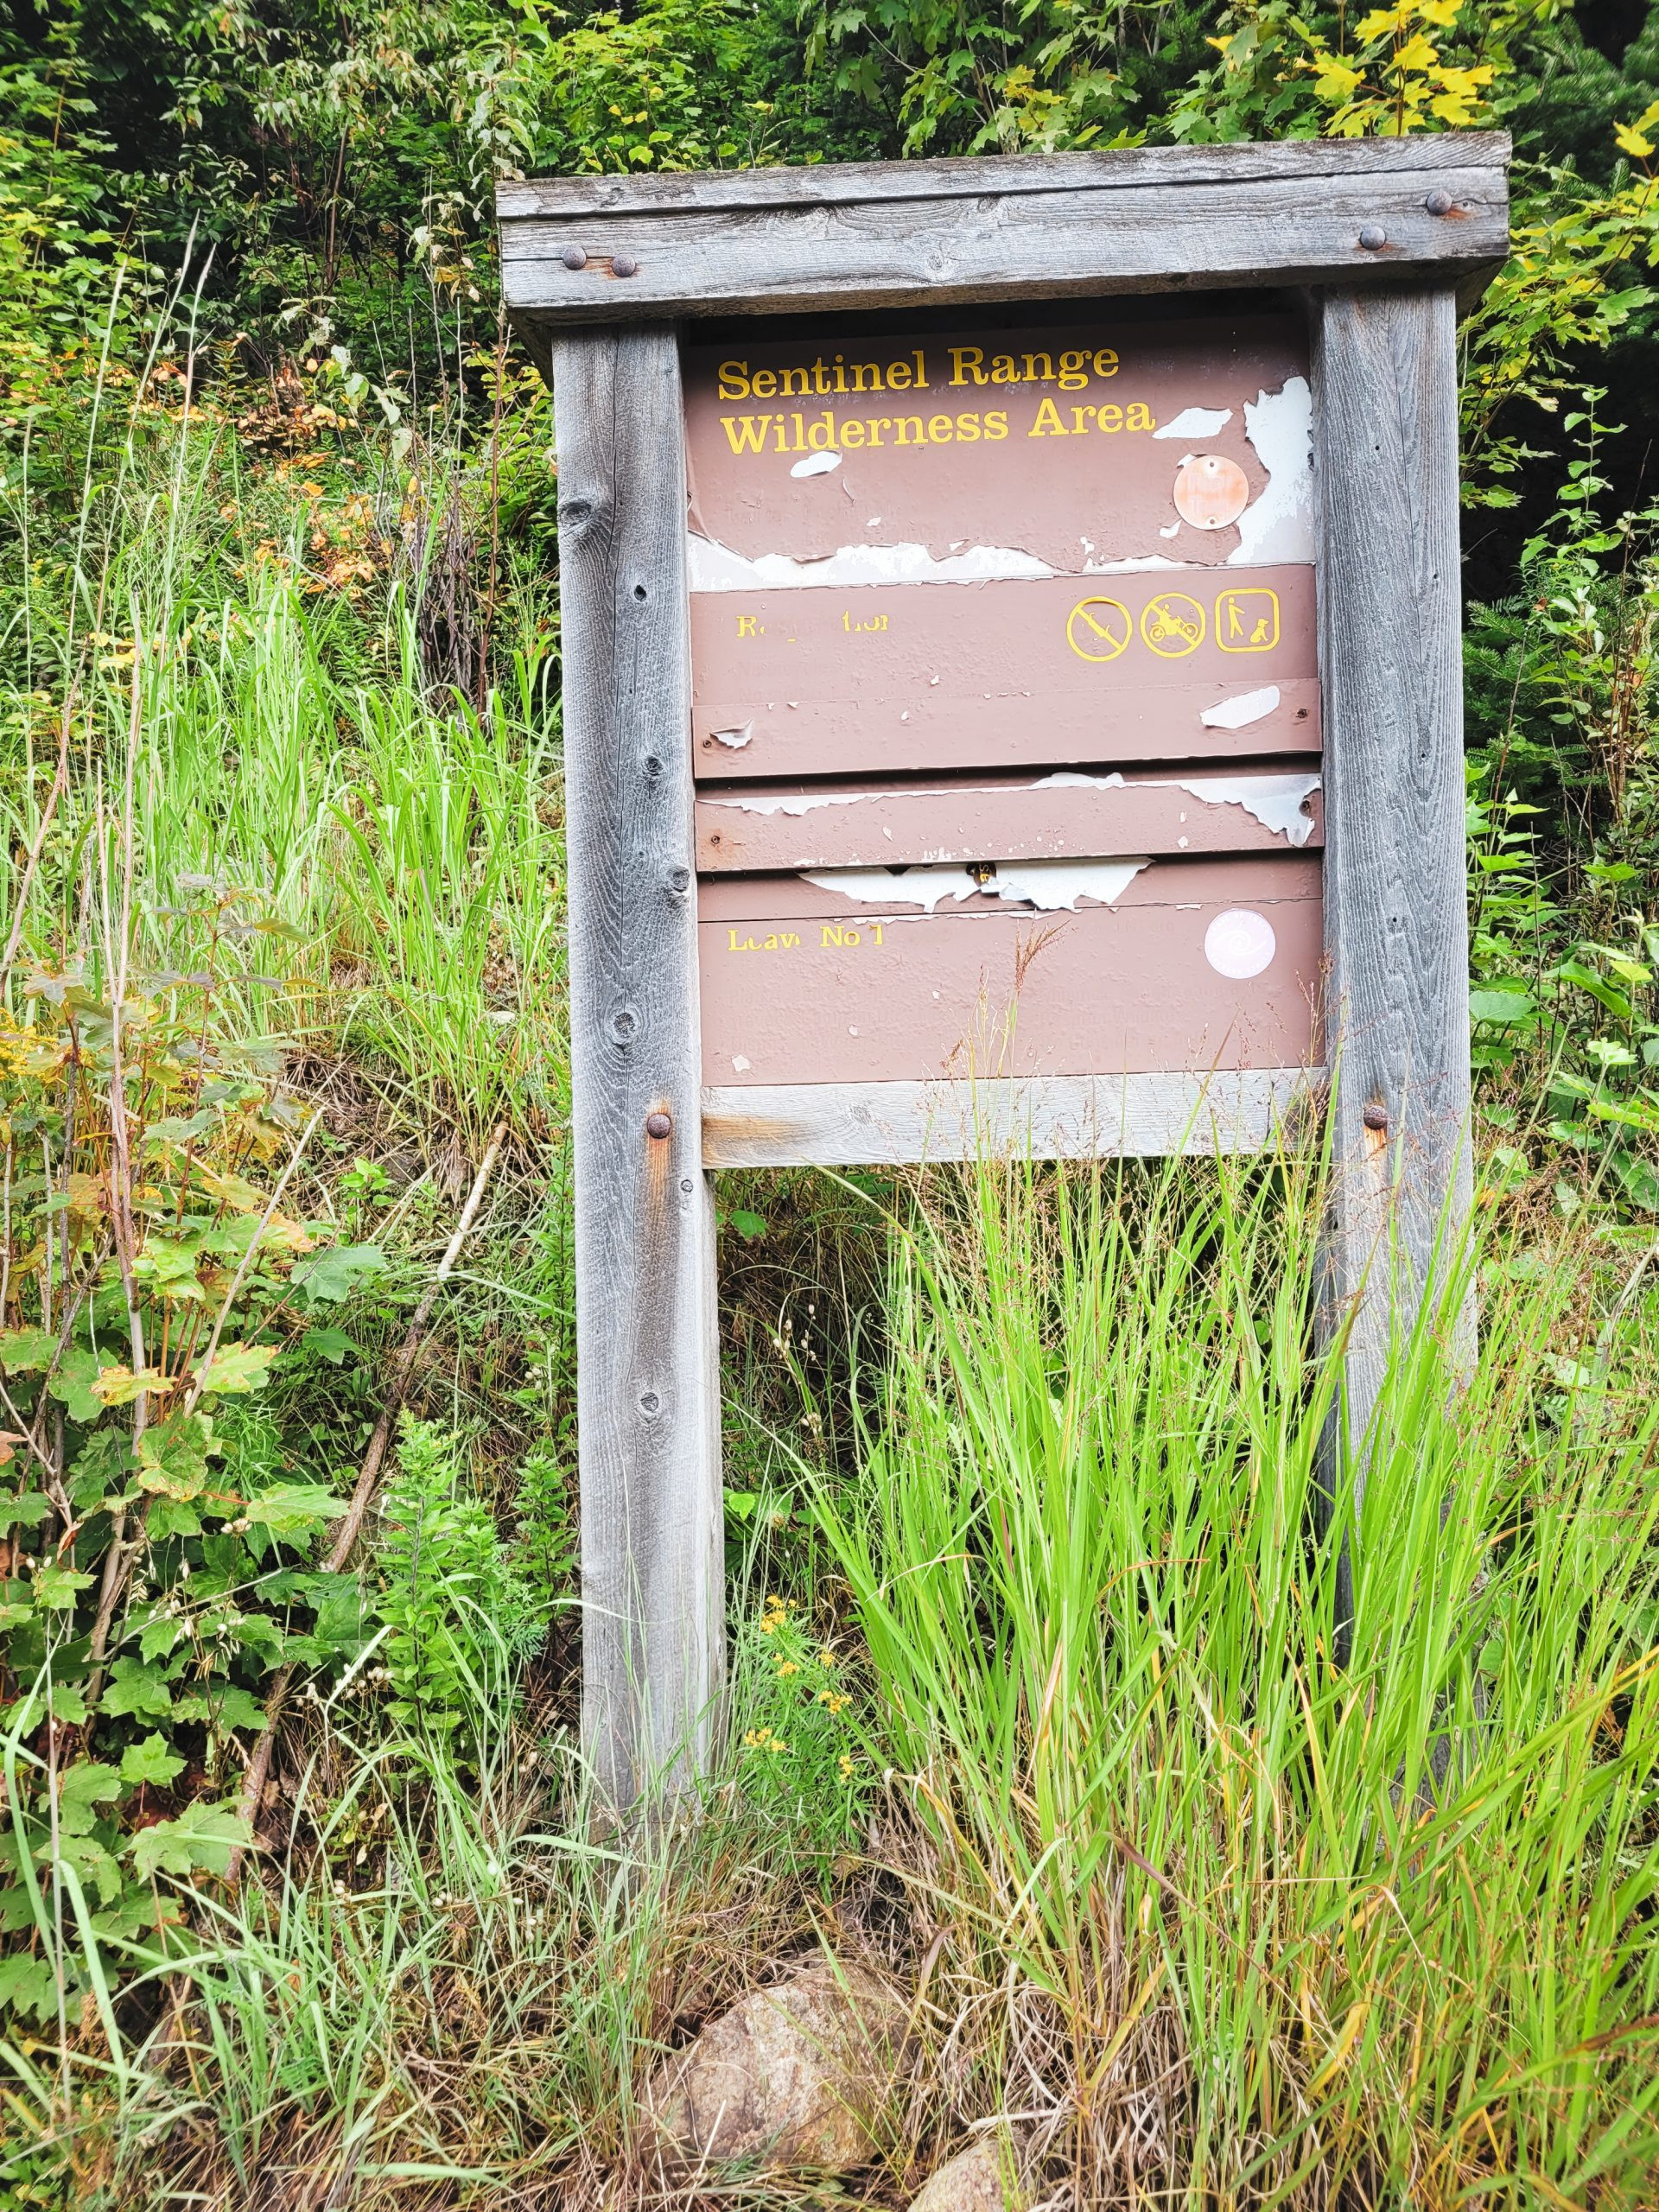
(648, 1373)
(1395, 920)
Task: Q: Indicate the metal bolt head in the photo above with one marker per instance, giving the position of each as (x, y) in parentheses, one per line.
(658, 1125)
(574, 258)
(623, 264)
(1376, 1118)
(1438, 201)
(1373, 237)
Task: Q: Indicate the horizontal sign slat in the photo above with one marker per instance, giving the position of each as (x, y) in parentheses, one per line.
(1165, 664)
(942, 250)
(1263, 808)
(1062, 448)
(976, 177)
(1058, 1117)
(1196, 965)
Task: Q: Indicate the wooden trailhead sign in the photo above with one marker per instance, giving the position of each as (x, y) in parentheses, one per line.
(1011, 693)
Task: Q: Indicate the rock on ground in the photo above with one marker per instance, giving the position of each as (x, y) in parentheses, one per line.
(792, 2077)
(971, 2182)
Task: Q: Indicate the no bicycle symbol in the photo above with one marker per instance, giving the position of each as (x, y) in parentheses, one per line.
(1173, 624)
(1098, 629)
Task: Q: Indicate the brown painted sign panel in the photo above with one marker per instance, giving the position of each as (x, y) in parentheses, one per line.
(1014, 452)
(1196, 965)
(1140, 666)
(1250, 808)
(1005, 709)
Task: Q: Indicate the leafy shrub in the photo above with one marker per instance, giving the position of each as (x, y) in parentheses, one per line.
(459, 1612)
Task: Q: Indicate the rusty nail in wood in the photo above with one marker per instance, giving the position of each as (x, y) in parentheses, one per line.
(1372, 238)
(623, 264)
(574, 258)
(1438, 202)
(658, 1125)
(1376, 1118)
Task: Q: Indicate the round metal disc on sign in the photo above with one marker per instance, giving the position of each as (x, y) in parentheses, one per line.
(1240, 943)
(1211, 491)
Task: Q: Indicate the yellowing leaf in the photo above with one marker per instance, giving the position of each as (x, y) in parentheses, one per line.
(1462, 81)
(232, 1190)
(1630, 140)
(119, 1386)
(1417, 53)
(237, 1367)
(1352, 2028)
(88, 1194)
(1335, 80)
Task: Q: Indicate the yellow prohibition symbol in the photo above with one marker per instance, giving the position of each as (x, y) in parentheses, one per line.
(1099, 629)
(1172, 625)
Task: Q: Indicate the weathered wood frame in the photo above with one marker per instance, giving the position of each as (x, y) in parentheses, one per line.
(1385, 238)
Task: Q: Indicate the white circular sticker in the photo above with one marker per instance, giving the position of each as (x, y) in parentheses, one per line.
(1240, 943)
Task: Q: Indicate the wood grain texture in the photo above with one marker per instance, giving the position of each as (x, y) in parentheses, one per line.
(1095, 239)
(1068, 1117)
(1396, 935)
(1305, 160)
(647, 1367)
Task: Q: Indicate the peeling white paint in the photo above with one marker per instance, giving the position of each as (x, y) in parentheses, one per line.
(1195, 423)
(741, 1062)
(798, 805)
(1052, 885)
(1277, 801)
(817, 464)
(736, 740)
(1242, 709)
(1279, 524)
(1127, 568)
(1169, 530)
(712, 567)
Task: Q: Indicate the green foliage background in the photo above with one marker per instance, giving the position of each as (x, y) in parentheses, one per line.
(279, 790)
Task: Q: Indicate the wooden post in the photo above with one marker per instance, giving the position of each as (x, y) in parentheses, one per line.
(1395, 920)
(648, 1375)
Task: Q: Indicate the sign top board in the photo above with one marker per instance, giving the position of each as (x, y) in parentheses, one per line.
(880, 234)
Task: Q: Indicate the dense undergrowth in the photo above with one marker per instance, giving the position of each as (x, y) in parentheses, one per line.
(1035, 1708)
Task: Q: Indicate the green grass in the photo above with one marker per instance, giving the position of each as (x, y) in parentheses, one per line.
(1288, 1930)
(387, 856)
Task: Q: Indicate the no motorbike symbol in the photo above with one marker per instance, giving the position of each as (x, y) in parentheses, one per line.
(1098, 629)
